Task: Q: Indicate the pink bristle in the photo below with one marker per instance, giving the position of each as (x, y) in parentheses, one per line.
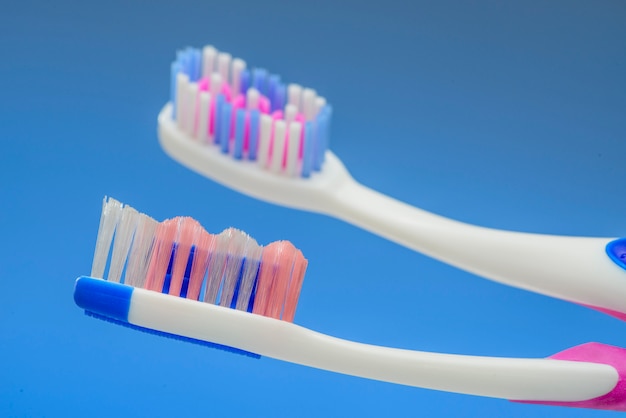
(277, 115)
(286, 258)
(295, 285)
(205, 243)
(286, 150)
(267, 272)
(161, 253)
(276, 266)
(246, 133)
(264, 104)
(212, 111)
(239, 102)
(203, 84)
(184, 241)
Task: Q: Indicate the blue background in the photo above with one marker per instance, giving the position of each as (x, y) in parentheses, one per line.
(504, 114)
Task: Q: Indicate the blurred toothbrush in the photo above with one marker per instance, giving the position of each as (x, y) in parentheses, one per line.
(176, 280)
(247, 131)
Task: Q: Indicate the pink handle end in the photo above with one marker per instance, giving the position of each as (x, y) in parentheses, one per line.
(610, 355)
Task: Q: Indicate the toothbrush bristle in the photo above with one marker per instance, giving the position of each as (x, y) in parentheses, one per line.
(111, 212)
(186, 234)
(217, 100)
(123, 237)
(180, 258)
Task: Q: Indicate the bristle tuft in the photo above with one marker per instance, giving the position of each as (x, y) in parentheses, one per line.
(121, 246)
(179, 257)
(111, 212)
(249, 113)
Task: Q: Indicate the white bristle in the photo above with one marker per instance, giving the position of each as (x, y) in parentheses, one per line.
(208, 60)
(123, 238)
(191, 108)
(236, 252)
(223, 65)
(278, 151)
(140, 252)
(294, 93)
(252, 99)
(265, 134)
(217, 264)
(181, 99)
(203, 117)
(111, 213)
(290, 112)
(216, 84)
(293, 148)
(238, 66)
(308, 103)
(252, 256)
(320, 102)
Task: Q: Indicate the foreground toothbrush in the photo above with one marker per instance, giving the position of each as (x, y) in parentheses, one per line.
(280, 156)
(225, 290)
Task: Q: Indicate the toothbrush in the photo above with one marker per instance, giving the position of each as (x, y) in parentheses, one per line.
(277, 152)
(179, 281)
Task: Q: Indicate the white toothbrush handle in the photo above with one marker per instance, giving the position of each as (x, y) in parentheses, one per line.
(508, 378)
(571, 268)
(576, 269)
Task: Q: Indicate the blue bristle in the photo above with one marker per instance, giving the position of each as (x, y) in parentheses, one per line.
(196, 64)
(168, 274)
(328, 110)
(307, 155)
(233, 303)
(225, 119)
(183, 58)
(185, 285)
(272, 84)
(253, 293)
(180, 58)
(202, 290)
(254, 134)
(259, 80)
(219, 103)
(245, 81)
(321, 137)
(281, 96)
(239, 131)
(191, 64)
(173, 336)
(175, 69)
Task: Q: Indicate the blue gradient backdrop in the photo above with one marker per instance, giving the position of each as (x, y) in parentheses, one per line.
(504, 114)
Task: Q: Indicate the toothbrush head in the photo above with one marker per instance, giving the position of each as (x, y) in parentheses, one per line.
(248, 130)
(179, 258)
(249, 114)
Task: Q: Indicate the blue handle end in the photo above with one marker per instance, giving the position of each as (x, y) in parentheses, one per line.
(616, 251)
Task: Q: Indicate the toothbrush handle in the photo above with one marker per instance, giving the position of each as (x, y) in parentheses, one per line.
(591, 375)
(576, 269)
(538, 380)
